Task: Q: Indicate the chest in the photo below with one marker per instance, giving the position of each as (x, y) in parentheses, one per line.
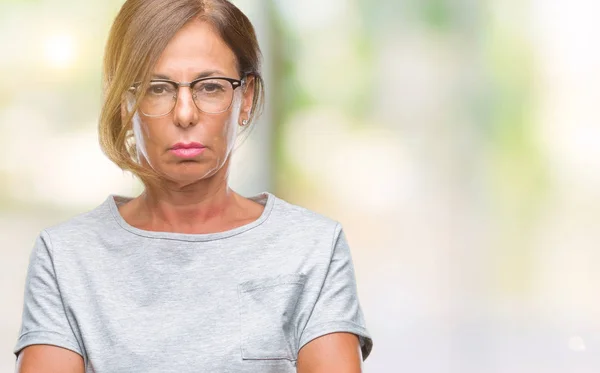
(150, 317)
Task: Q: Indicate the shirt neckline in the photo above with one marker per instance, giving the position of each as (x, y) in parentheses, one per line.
(265, 198)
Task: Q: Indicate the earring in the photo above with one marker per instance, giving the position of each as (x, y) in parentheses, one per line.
(244, 122)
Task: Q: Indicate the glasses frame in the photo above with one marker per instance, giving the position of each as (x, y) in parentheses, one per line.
(235, 83)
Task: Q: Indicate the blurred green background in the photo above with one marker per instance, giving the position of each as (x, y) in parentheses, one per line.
(457, 141)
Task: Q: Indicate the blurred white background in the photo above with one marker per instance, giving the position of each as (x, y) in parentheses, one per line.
(458, 142)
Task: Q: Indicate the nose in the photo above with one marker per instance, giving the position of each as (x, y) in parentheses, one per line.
(185, 112)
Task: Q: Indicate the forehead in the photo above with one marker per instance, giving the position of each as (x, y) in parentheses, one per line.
(194, 49)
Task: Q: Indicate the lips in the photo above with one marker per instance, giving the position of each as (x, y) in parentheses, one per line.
(187, 150)
(191, 145)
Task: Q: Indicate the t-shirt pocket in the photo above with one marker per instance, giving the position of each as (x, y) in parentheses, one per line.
(268, 316)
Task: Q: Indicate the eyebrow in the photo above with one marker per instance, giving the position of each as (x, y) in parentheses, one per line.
(204, 74)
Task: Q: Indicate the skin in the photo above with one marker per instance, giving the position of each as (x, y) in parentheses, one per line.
(331, 353)
(196, 198)
(48, 359)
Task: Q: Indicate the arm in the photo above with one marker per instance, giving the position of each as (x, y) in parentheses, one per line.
(334, 338)
(46, 343)
(331, 353)
(48, 359)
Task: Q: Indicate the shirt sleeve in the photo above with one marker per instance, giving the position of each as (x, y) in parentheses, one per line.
(44, 319)
(337, 308)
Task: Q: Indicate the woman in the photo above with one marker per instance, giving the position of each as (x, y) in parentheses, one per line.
(189, 276)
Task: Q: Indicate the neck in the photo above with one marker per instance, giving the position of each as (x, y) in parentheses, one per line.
(187, 207)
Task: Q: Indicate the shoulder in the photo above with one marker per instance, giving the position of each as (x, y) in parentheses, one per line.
(302, 223)
(291, 213)
(81, 227)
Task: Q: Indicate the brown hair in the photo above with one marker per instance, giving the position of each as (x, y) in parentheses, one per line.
(139, 34)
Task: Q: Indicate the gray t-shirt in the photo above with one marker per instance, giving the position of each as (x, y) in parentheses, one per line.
(243, 300)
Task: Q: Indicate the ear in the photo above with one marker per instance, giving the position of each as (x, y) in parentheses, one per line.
(248, 97)
(123, 111)
(125, 108)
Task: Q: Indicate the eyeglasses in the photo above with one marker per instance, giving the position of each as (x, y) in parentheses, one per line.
(212, 95)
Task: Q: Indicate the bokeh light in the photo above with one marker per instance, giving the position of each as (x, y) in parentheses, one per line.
(60, 50)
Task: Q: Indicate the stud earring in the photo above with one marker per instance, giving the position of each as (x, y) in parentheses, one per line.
(244, 122)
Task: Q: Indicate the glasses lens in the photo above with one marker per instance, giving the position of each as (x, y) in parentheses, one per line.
(213, 96)
(158, 99)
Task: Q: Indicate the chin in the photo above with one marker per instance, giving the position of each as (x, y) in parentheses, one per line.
(188, 172)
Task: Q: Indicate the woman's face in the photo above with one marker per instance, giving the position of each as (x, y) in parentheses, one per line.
(188, 145)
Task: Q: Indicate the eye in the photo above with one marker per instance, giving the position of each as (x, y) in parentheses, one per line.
(209, 87)
(159, 89)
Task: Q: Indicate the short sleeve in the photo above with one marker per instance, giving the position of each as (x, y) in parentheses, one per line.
(44, 319)
(337, 308)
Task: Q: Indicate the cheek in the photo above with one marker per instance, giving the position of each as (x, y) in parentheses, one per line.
(219, 132)
(229, 132)
(226, 127)
(152, 133)
(148, 134)
(157, 130)
(231, 121)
